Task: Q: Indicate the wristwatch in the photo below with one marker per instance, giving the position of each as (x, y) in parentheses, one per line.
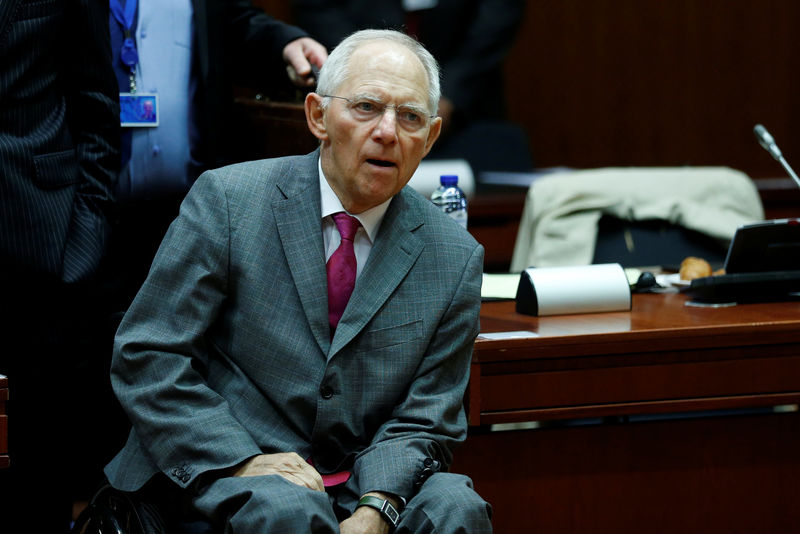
(388, 512)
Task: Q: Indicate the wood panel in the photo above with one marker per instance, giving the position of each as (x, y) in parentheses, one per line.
(711, 475)
(267, 129)
(280, 9)
(626, 82)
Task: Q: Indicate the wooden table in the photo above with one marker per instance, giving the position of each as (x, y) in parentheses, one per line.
(4, 459)
(660, 419)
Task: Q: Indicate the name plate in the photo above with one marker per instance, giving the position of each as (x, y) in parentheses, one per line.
(575, 289)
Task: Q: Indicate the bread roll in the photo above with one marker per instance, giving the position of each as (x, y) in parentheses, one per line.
(693, 267)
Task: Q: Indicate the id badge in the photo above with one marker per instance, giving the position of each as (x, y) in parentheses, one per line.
(138, 109)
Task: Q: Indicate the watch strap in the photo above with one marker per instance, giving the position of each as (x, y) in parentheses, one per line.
(388, 512)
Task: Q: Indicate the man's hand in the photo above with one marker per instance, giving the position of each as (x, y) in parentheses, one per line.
(299, 55)
(289, 465)
(367, 520)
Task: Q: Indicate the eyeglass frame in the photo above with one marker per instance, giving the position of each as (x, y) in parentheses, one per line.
(354, 101)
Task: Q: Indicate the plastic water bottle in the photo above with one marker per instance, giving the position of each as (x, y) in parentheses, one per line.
(451, 199)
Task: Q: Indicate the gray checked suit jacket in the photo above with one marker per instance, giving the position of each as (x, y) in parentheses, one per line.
(226, 352)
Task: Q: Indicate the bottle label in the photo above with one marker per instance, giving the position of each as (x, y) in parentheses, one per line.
(452, 202)
(460, 216)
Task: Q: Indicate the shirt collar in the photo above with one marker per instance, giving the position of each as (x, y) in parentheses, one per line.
(370, 219)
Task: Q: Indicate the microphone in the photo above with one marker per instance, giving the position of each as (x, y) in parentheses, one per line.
(766, 141)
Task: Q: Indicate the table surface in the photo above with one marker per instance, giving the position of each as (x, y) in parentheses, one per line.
(652, 316)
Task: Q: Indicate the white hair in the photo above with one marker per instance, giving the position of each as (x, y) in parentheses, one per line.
(335, 70)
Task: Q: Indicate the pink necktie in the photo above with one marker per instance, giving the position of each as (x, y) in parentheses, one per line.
(341, 268)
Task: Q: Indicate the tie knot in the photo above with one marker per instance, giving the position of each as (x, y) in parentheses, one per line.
(346, 224)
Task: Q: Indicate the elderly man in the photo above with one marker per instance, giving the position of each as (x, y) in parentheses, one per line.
(265, 397)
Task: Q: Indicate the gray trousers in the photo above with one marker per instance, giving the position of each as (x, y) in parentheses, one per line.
(446, 504)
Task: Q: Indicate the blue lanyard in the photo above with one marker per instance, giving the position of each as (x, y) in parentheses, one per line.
(125, 17)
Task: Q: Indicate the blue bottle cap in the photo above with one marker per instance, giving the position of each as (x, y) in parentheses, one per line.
(448, 180)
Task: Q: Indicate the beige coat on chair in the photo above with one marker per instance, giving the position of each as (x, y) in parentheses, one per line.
(559, 221)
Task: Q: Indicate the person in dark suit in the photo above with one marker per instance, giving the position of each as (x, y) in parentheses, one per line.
(260, 401)
(470, 39)
(59, 121)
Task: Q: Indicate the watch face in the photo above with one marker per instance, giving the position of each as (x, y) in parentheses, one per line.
(387, 511)
(391, 513)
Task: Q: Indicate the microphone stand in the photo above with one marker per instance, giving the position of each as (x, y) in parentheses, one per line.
(766, 141)
(786, 166)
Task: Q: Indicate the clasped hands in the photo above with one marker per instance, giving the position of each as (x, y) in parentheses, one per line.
(292, 467)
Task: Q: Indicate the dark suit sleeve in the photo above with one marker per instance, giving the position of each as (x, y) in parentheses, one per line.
(487, 40)
(92, 116)
(330, 22)
(92, 99)
(256, 41)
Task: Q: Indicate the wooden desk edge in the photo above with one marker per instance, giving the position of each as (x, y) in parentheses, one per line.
(734, 340)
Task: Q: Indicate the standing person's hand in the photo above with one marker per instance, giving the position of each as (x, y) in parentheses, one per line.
(300, 55)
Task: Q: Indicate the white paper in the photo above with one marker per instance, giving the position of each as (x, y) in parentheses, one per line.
(499, 286)
(516, 334)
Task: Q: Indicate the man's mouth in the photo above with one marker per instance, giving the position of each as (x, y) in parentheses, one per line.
(380, 162)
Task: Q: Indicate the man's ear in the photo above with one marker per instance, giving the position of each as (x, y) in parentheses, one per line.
(315, 116)
(433, 134)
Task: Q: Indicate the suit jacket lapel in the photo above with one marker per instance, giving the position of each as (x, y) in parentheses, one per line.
(394, 252)
(297, 217)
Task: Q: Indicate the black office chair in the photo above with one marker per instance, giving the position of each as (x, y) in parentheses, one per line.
(112, 511)
(653, 243)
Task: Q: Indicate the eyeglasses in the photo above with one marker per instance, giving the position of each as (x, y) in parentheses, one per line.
(410, 118)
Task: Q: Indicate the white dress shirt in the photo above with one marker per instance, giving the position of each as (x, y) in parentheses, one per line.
(160, 156)
(370, 223)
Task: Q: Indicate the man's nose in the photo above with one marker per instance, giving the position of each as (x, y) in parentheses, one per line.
(386, 128)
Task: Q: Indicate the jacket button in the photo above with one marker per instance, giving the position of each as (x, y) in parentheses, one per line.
(326, 392)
